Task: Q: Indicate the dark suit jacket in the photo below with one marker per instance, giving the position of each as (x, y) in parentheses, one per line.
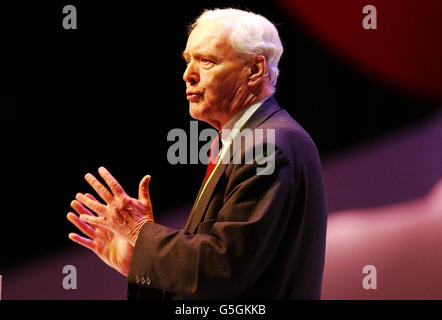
(250, 235)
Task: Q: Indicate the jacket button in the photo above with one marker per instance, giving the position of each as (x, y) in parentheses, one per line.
(148, 281)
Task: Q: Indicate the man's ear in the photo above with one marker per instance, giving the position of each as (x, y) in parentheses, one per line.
(257, 70)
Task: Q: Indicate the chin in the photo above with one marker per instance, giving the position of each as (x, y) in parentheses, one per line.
(195, 111)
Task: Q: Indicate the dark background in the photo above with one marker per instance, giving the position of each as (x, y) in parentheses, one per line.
(109, 92)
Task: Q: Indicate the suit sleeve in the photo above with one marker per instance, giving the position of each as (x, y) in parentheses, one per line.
(239, 246)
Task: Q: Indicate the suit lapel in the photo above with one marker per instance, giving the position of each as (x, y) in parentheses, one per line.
(193, 208)
(268, 108)
(200, 206)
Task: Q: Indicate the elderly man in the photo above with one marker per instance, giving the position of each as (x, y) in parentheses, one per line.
(249, 235)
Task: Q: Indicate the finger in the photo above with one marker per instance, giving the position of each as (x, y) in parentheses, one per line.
(79, 208)
(113, 184)
(94, 205)
(143, 192)
(95, 221)
(85, 242)
(82, 226)
(99, 188)
(91, 196)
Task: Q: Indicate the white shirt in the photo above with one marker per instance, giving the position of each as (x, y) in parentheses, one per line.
(236, 122)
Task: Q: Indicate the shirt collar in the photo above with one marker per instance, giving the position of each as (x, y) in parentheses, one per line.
(237, 121)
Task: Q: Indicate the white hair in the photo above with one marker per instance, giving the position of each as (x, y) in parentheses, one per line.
(252, 35)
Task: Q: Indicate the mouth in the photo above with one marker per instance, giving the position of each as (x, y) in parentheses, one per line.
(193, 96)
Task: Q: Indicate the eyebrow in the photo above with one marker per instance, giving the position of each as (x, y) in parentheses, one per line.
(210, 56)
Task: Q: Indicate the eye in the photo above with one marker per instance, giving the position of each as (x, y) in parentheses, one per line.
(206, 61)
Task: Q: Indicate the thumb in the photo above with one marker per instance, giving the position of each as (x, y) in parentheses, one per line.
(143, 192)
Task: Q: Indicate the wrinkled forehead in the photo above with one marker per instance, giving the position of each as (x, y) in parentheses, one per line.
(212, 36)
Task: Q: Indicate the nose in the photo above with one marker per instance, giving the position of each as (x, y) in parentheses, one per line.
(191, 74)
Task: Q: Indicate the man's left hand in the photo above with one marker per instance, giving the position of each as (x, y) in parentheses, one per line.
(122, 214)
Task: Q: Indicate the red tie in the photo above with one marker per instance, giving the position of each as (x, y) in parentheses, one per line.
(213, 157)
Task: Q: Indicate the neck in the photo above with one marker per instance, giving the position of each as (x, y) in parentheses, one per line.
(250, 100)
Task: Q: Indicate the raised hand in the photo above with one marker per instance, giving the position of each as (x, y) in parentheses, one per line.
(112, 249)
(122, 214)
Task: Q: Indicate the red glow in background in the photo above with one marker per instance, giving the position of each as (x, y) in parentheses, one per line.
(405, 50)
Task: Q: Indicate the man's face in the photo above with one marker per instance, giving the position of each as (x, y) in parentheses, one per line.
(215, 77)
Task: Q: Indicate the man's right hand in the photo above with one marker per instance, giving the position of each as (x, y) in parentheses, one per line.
(112, 249)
